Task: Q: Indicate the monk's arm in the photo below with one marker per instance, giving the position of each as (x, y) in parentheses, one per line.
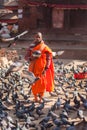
(48, 60)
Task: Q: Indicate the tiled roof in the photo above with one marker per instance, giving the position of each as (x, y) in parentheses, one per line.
(60, 1)
(4, 12)
(10, 16)
(13, 3)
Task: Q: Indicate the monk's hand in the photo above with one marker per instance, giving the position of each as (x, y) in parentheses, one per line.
(44, 72)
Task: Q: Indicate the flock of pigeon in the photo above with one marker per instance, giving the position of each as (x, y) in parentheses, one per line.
(66, 109)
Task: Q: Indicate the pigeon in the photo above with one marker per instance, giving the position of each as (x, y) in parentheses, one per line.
(20, 114)
(53, 115)
(24, 95)
(66, 93)
(84, 100)
(80, 114)
(17, 126)
(41, 106)
(31, 107)
(57, 128)
(46, 118)
(25, 126)
(80, 84)
(39, 112)
(71, 127)
(76, 102)
(3, 123)
(17, 105)
(75, 93)
(29, 119)
(1, 95)
(3, 106)
(64, 114)
(7, 100)
(68, 107)
(3, 114)
(64, 121)
(57, 122)
(46, 126)
(9, 70)
(31, 77)
(58, 103)
(53, 107)
(9, 118)
(14, 96)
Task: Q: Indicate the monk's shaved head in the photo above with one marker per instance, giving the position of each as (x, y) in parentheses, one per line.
(39, 34)
(38, 37)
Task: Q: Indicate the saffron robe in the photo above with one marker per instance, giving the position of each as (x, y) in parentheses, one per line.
(38, 65)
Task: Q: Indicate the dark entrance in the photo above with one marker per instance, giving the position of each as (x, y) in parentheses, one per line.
(78, 18)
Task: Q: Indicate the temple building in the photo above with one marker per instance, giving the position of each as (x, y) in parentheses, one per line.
(56, 14)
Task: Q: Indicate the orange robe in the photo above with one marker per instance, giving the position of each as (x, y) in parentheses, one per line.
(37, 66)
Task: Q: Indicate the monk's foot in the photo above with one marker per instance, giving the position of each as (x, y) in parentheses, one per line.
(35, 100)
(40, 101)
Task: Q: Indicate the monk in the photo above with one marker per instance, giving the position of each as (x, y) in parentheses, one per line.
(41, 64)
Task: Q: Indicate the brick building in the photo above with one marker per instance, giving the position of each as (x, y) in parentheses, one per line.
(59, 14)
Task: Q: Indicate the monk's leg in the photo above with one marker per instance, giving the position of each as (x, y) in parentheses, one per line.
(35, 98)
(41, 94)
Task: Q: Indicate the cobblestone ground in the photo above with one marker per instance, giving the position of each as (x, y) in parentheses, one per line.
(20, 47)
